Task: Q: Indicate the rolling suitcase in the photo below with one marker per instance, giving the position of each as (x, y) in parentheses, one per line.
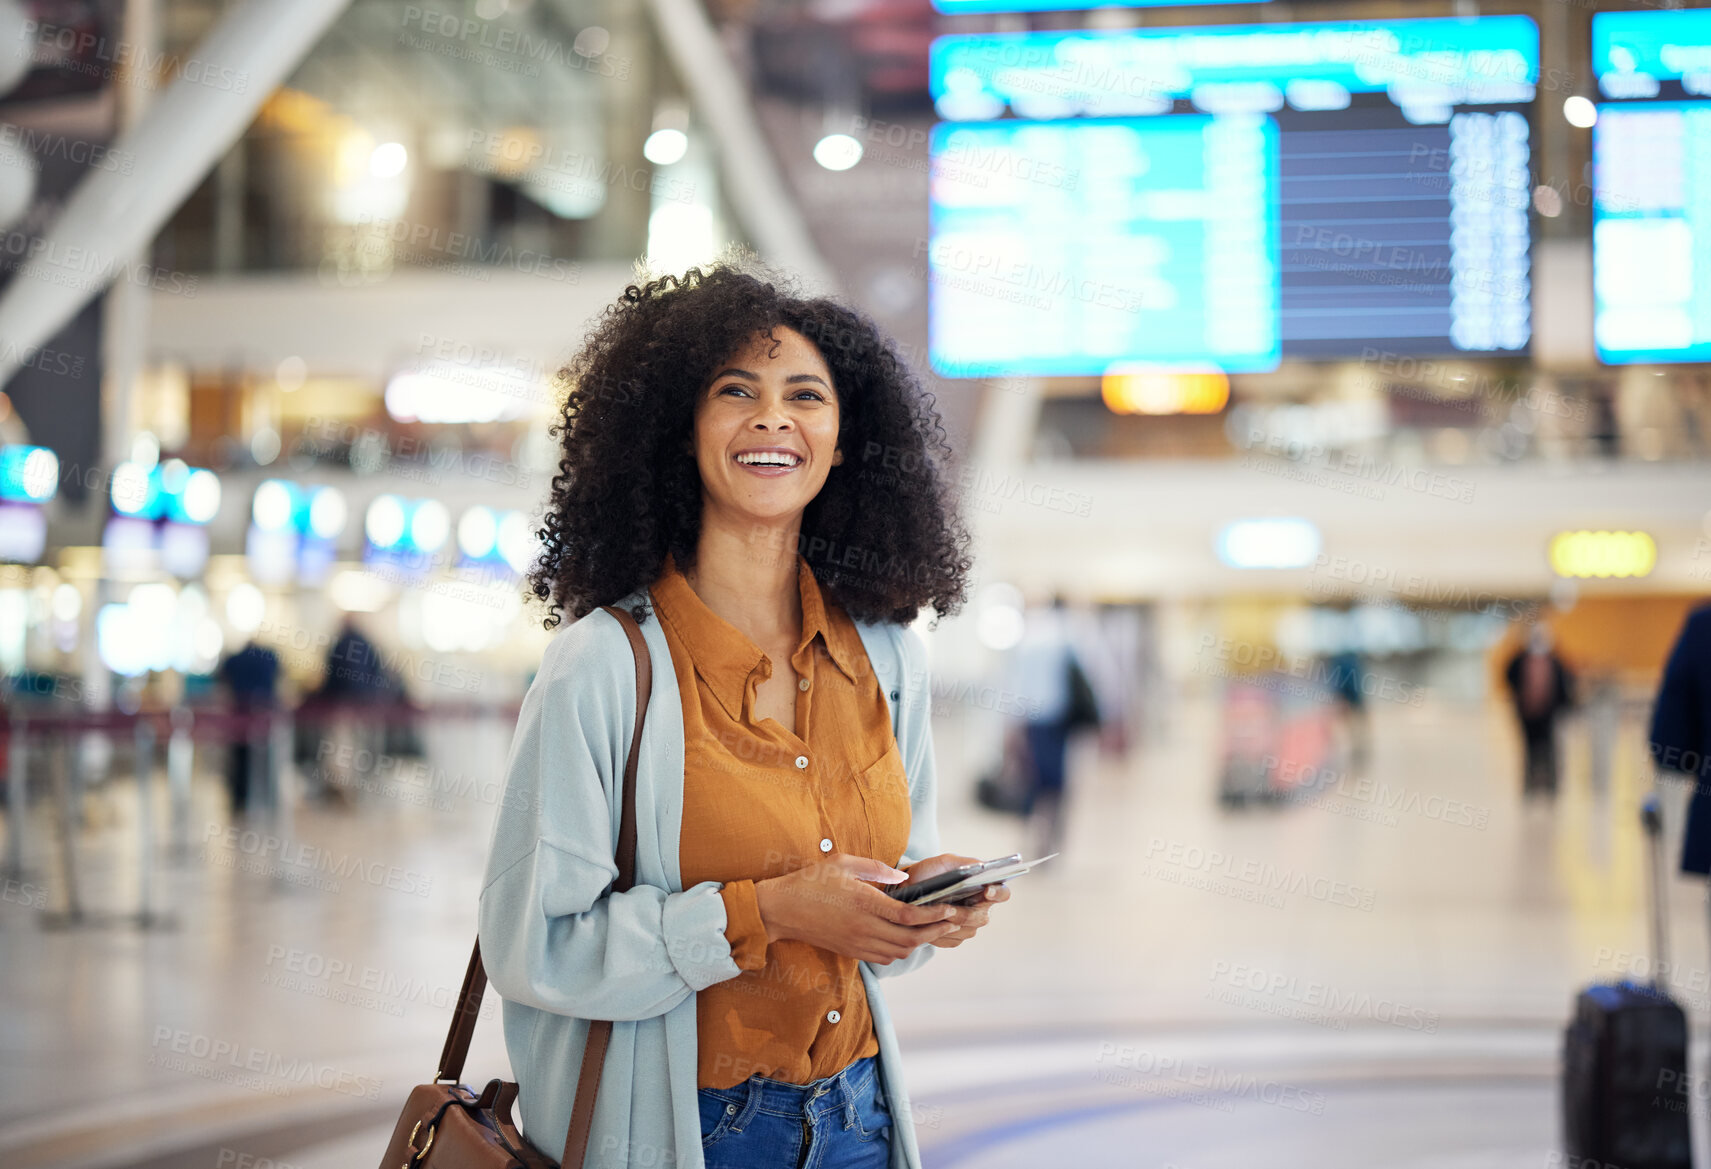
(1625, 1088)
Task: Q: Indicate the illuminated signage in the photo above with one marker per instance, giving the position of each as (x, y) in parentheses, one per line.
(1159, 391)
(28, 474)
(1275, 542)
(951, 7)
(1419, 64)
(1226, 197)
(1603, 554)
(1651, 167)
(171, 490)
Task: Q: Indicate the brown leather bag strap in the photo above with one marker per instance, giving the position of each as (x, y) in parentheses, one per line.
(600, 1030)
(463, 1020)
(626, 858)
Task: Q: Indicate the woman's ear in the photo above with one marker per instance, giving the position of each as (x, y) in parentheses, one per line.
(837, 455)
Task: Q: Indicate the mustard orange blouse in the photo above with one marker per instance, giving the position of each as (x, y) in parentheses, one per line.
(759, 802)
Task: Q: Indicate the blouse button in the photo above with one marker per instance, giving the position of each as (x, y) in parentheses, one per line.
(802, 685)
(801, 762)
(832, 1016)
(894, 696)
(826, 844)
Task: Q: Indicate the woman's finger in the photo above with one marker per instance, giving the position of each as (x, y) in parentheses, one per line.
(903, 913)
(972, 915)
(907, 936)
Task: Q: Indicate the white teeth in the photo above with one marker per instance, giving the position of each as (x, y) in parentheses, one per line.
(768, 459)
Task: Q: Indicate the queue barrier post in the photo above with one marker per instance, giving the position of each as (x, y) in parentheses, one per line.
(143, 740)
(69, 823)
(258, 784)
(180, 765)
(16, 795)
(282, 786)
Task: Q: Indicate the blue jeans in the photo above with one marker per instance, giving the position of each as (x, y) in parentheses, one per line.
(839, 1122)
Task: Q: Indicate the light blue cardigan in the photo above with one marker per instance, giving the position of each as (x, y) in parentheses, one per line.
(560, 953)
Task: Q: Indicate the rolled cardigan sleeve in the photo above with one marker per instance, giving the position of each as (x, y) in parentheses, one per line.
(915, 742)
(552, 937)
(744, 928)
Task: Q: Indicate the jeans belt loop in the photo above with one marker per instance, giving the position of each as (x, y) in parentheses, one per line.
(750, 1105)
(848, 1095)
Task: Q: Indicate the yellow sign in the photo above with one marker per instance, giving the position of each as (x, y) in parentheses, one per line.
(1603, 554)
(1165, 391)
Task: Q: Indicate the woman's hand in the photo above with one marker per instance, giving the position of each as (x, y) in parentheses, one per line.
(968, 918)
(830, 904)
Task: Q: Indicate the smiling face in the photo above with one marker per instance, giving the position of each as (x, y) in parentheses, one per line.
(766, 429)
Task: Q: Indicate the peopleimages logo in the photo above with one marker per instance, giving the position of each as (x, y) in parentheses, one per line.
(257, 1067)
(84, 52)
(275, 855)
(425, 27)
(1261, 875)
(1250, 656)
(1374, 799)
(1337, 1001)
(1220, 1082)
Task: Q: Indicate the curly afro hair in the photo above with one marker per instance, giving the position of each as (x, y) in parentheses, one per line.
(883, 536)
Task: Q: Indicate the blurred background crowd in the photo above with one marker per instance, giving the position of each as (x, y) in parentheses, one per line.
(1327, 385)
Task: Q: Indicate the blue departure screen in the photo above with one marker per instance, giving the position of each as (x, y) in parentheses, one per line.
(1384, 202)
(1168, 256)
(1651, 204)
(1632, 52)
(1062, 5)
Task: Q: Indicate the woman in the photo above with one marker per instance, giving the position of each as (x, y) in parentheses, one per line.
(763, 473)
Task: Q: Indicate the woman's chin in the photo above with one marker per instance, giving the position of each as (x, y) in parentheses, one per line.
(764, 506)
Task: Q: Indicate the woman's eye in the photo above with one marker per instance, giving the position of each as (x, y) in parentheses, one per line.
(811, 395)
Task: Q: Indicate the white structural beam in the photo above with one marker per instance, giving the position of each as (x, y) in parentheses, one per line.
(111, 216)
(752, 179)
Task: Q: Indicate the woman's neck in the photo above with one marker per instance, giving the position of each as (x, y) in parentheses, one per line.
(747, 576)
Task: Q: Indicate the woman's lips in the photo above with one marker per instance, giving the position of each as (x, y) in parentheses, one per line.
(768, 470)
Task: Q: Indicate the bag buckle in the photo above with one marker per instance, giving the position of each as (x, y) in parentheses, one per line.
(418, 1154)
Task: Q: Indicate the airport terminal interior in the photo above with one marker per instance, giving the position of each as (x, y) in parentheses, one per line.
(1325, 388)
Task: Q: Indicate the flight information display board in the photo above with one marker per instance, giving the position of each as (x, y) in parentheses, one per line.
(1171, 260)
(1651, 203)
(957, 6)
(1390, 211)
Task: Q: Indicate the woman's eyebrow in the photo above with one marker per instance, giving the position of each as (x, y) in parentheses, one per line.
(792, 380)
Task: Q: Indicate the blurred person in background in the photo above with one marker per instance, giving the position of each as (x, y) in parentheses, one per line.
(1681, 732)
(1047, 678)
(1345, 669)
(251, 676)
(718, 463)
(402, 736)
(353, 669)
(1540, 686)
(353, 688)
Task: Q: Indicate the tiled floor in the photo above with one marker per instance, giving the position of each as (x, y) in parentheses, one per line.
(1378, 978)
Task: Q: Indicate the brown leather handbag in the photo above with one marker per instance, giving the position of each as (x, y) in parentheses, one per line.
(447, 1125)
